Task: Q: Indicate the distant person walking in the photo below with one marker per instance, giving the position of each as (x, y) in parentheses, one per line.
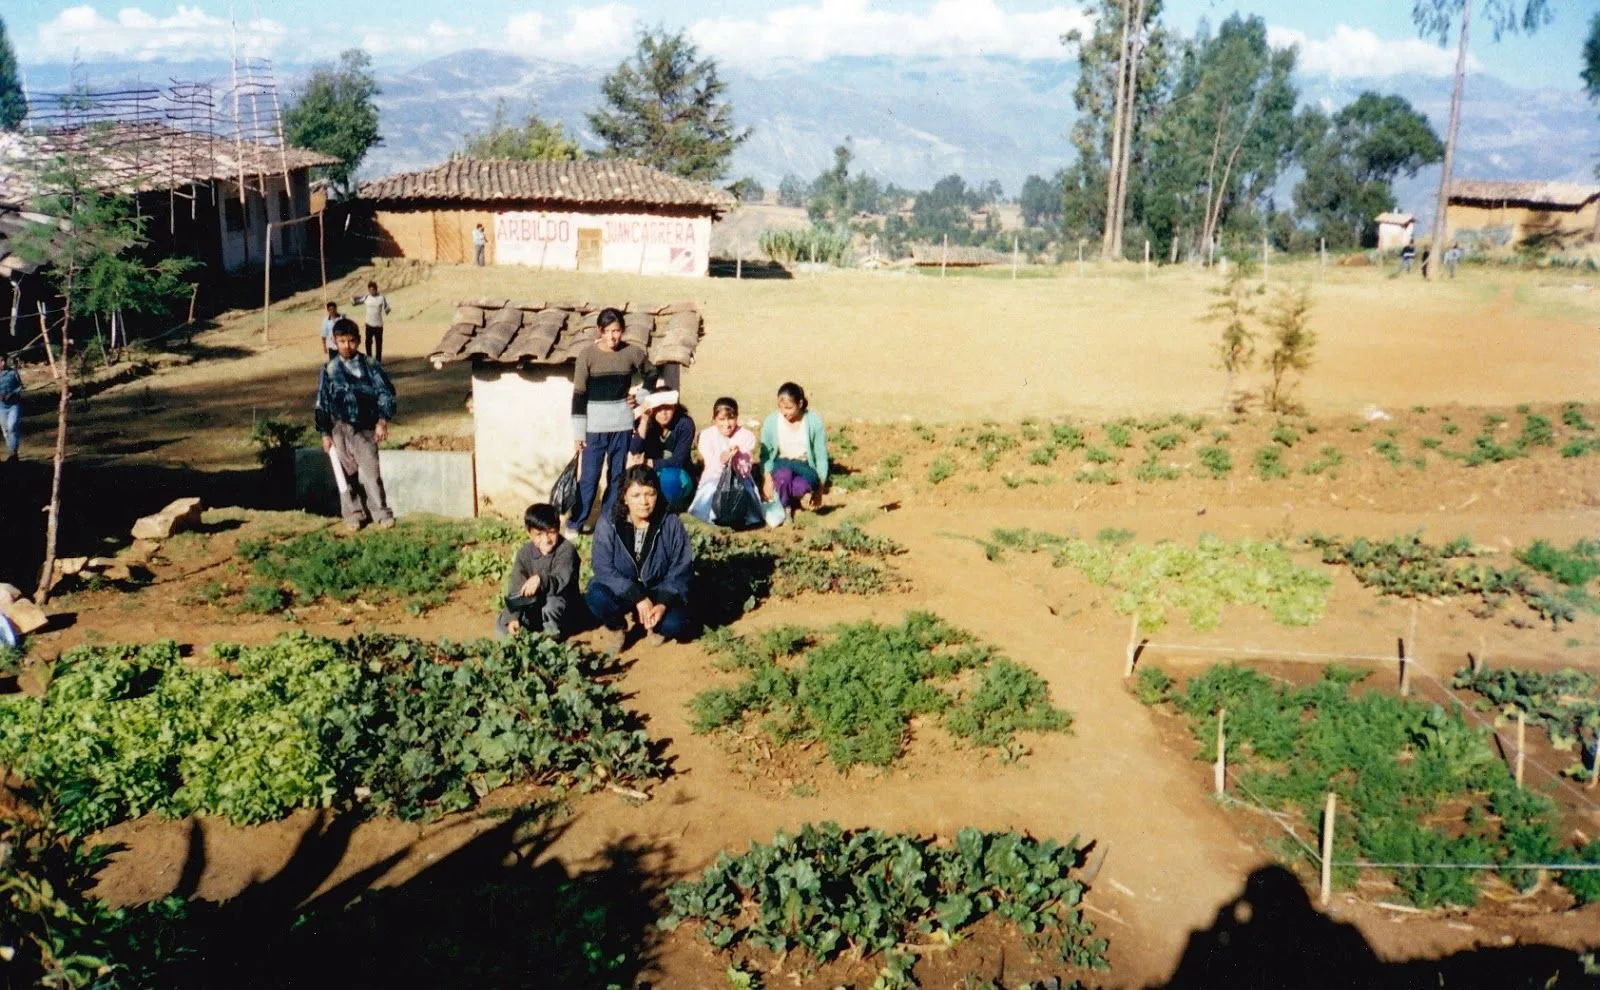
(602, 411)
(480, 242)
(328, 323)
(1452, 258)
(10, 406)
(1408, 255)
(355, 402)
(377, 307)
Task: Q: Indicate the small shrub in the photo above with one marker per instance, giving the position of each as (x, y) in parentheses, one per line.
(1389, 451)
(1151, 685)
(1285, 435)
(1095, 476)
(1216, 461)
(1328, 460)
(1152, 470)
(1100, 455)
(1042, 455)
(923, 433)
(264, 599)
(1572, 417)
(940, 470)
(1537, 431)
(1066, 436)
(1119, 434)
(1115, 537)
(1449, 429)
(1165, 441)
(1269, 463)
(275, 440)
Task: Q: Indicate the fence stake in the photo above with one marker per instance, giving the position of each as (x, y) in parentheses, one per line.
(1522, 744)
(1263, 256)
(944, 256)
(266, 288)
(1147, 258)
(1220, 769)
(1594, 765)
(1408, 653)
(738, 264)
(1323, 250)
(1133, 646)
(1080, 258)
(1327, 849)
(1014, 245)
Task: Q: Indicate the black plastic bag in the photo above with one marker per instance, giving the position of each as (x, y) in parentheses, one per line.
(564, 493)
(731, 503)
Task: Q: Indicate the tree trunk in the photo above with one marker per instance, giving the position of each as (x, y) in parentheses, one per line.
(1119, 108)
(53, 510)
(1441, 218)
(1135, 50)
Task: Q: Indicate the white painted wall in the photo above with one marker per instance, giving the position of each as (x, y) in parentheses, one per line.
(631, 242)
(522, 434)
(1394, 236)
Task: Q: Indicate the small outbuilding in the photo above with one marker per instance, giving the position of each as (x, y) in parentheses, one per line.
(522, 356)
(1503, 214)
(955, 256)
(596, 215)
(1395, 230)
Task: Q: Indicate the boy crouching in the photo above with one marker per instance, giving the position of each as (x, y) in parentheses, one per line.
(541, 594)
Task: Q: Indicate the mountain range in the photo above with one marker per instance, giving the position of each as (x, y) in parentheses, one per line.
(911, 120)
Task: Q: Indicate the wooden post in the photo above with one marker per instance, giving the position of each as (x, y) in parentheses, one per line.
(1219, 770)
(44, 334)
(1014, 247)
(1080, 257)
(1133, 646)
(1147, 257)
(1322, 249)
(1408, 653)
(1263, 256)
(1594, 765)
(1522, 744)
(194, 296)
(738, 264)
(266, 290)
(322, 257)
(944, 255)
(1327, 848)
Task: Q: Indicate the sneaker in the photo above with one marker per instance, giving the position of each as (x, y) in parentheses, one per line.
(613, 640)
(385, 523)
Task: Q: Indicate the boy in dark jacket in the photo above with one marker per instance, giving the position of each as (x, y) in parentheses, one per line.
(355, 402)
(542, 591)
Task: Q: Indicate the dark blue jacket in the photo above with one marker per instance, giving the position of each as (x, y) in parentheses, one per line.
(10, 387)
(361, 402)
(665, 449)
(661, 573)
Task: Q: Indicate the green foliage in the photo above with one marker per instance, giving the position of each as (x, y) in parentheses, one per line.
(1487, 450)
(819, 244)
(333, 112)
(1565, 702)
(1537, 431)
(667, 107)
(1095, 476)
(857, 691)
(1042, 455)
(1151, 685)
(1351, 161)
(1216, 460)
(750, 567)
(534, 141)
(1288, 320)
(1066, 436)
(307, 722)
(1269, 463)
(1231, 310)
(1100, 455)
(1285, 435)
(1152, 470)
(275, 439)
(1574, 568)
(1328, 460)
(1389, 451)
(940, 469)
(1572, 417)
(1166, 441)
(13, 102)
(828, 891)
(1408, 567)
(1198, 580)
(264, 599)
(1415, 782)
(1119, 433)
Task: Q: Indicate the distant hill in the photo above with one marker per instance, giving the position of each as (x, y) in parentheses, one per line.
(912, 120)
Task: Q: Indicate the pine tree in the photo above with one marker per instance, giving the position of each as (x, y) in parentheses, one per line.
(13, 103)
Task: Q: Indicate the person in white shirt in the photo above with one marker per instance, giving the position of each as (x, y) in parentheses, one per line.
(332, 318)
(377, 306)
(480, 241)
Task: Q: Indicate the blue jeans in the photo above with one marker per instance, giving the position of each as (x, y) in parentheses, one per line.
(613, 612)
(598, 448)
(11, 426)
(676, 486)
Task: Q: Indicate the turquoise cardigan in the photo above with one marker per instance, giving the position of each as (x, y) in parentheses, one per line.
(816, 442)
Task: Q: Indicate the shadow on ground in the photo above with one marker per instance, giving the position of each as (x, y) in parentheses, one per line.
(494, 913)
(1270, 936)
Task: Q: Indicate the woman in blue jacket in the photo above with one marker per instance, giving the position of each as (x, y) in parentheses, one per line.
(641, 561)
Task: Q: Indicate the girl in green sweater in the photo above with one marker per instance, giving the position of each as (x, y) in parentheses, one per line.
(794, 453)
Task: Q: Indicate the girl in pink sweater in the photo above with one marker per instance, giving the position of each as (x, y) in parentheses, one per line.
(726, 446)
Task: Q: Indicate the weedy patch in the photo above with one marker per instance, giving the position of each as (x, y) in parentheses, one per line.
(734, 572)
(1566, 703)
(1200, 580)
(1416, 784)
(829, 892)
(856, 689)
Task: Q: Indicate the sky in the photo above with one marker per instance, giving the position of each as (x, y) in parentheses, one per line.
(1340, 38)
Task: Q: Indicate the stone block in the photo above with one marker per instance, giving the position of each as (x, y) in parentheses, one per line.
(179, 515)
(25, 615)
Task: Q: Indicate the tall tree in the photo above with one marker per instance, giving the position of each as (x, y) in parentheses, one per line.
(1227, 134)
(1352, 160)
(332, 112)
(1435, 18)
(1591, 59)
(13, 103)
(666, 106)
(1040, 200)
(533, 141)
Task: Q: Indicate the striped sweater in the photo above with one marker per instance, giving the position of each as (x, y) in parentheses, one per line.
(600, 384)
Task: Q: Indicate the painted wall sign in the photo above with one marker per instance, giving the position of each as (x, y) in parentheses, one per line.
(643, 243)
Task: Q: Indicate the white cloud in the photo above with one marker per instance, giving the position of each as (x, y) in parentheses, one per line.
(811, 32)
(188, 33)
(589, 34)
(1359, 52)
(435, 38)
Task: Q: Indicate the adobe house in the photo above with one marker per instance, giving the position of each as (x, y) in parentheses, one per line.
(522, 356)
(1395, 230)
(596, 215)
(1502, 214)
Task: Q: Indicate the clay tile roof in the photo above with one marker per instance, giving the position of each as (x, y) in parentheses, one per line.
(508, 332)
(1561, 194)
(592, 181)
(1400, 218)
(934, 254)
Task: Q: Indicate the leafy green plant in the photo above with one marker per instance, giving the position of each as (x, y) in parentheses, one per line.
(1066, 436)
(1573, 418)
(1119, 433)
(1288, 320)
(1565, 702)
(1216, 460)
(1151, 469)
(1389, 451)
(828, 891)
(1115, 537)
(857, 690)
(1199, 580)
(1575, 568)
(940, 470)
(1537, 431)
(275, 440)
(1449, 429)
(264, 599)
(1579, 446)
(1415, 782)
(1487, 450)
(1166, 441)
(1285, 435)
(1042, 455)
(1095, 476)
(1269, 463)
(306, 722)
(923, 433)
(1151, 685)
(1328, 460)
(1100, 455)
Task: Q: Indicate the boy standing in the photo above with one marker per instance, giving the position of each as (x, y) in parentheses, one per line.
(480, 241)
(602, 411)
(544, 578)
(377, 305)
(355, 402)
(327, 331)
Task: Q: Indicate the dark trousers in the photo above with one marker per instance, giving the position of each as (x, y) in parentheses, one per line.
(477, 254)
(612, 612)
(550, 615)
(375, 343)
(598, 449)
